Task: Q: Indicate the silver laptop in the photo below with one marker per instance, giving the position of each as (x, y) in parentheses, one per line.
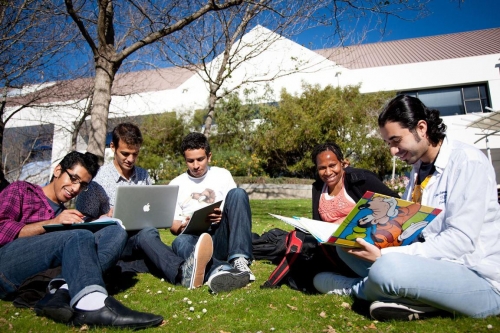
(140, 206)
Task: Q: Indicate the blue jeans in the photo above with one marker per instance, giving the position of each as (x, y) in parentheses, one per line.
(82, 254)
(145, 252)
(442, 284)
(232, 237)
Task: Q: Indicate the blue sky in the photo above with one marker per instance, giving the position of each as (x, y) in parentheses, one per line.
(446, 16)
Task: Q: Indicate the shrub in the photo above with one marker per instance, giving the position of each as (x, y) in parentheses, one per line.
(398, 184)
(238, 164)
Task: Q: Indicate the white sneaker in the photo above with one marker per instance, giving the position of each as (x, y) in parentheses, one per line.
(242, 264)
(331, 283)
(383, 311)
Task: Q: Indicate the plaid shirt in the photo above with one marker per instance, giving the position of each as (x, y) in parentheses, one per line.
(21, 203)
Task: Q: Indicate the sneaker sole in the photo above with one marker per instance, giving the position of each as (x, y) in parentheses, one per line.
(386, 312)
(228, 282)
(202, 254)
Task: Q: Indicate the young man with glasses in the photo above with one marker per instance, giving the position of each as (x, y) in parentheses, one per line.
(79, 296)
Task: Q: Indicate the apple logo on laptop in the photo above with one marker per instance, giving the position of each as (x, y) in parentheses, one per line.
(146, 207)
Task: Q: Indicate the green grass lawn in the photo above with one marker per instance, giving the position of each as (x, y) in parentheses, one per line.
(246, 310)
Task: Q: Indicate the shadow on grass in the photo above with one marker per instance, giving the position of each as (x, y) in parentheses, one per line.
(118, 281)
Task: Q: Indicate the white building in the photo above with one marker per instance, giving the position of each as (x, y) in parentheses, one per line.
(459, 74)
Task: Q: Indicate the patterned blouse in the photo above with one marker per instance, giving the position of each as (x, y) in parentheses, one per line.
(335, 208)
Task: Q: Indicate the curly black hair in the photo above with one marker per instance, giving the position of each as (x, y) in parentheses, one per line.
(195, 140)
(88, 160)
(327, 146)
(408, 111)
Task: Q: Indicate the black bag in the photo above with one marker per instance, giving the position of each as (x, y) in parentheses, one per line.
(270, 246)
(304, 257)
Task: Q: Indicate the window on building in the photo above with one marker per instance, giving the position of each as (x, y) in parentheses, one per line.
(455, 100)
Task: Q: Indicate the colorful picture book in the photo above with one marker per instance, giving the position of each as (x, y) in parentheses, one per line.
(379, 219)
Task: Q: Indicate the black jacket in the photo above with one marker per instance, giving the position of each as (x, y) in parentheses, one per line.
(356, 183)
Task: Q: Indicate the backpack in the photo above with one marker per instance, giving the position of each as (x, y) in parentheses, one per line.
(302, 258)
(270, 246)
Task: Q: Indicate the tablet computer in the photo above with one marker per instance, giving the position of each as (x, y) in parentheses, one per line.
(197, 224)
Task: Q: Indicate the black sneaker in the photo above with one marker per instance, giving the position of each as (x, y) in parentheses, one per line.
(227, 278)
(384, 311)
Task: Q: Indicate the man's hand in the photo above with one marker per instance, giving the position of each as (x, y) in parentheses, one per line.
(68, 216)
(368, 252)
(178, 226)
(215, 216)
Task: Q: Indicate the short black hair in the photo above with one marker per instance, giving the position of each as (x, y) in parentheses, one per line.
(327, 146)
(129, 133)
(408, 111)
(195, 140)
(88, 160)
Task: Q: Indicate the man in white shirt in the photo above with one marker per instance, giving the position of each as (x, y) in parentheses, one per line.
(454, 266)
(144, 251)
(230, 225)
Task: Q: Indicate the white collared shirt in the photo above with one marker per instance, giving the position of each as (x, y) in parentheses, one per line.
(467, 231)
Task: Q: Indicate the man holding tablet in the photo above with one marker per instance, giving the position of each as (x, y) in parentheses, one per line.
(230, 225)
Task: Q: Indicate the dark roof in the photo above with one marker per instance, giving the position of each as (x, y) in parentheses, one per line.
(414, 50)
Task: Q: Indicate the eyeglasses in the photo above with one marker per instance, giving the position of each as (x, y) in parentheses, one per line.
(74, 180)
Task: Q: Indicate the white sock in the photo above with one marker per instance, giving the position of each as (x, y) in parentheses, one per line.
(53, 290)
(91, 302)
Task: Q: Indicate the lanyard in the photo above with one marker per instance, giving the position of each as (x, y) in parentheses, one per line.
(416, 195)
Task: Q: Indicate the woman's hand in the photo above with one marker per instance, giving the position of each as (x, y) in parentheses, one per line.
(368, 252)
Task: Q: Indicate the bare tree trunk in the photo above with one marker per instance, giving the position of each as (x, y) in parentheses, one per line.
(79, 123)
(211, 111)
(2, 129)
(104, 76)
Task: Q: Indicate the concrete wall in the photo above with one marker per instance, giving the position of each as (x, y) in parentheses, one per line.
(274, 191)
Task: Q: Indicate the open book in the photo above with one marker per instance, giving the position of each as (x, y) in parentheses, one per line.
(381, 220)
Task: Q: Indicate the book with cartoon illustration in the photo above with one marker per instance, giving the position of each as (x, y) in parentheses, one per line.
(379, 219)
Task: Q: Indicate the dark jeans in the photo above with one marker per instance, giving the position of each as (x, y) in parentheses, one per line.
(145, 252)
(232, 237)
(82, 254)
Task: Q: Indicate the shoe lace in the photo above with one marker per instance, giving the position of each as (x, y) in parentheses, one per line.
(187, 269)
(241, 264)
